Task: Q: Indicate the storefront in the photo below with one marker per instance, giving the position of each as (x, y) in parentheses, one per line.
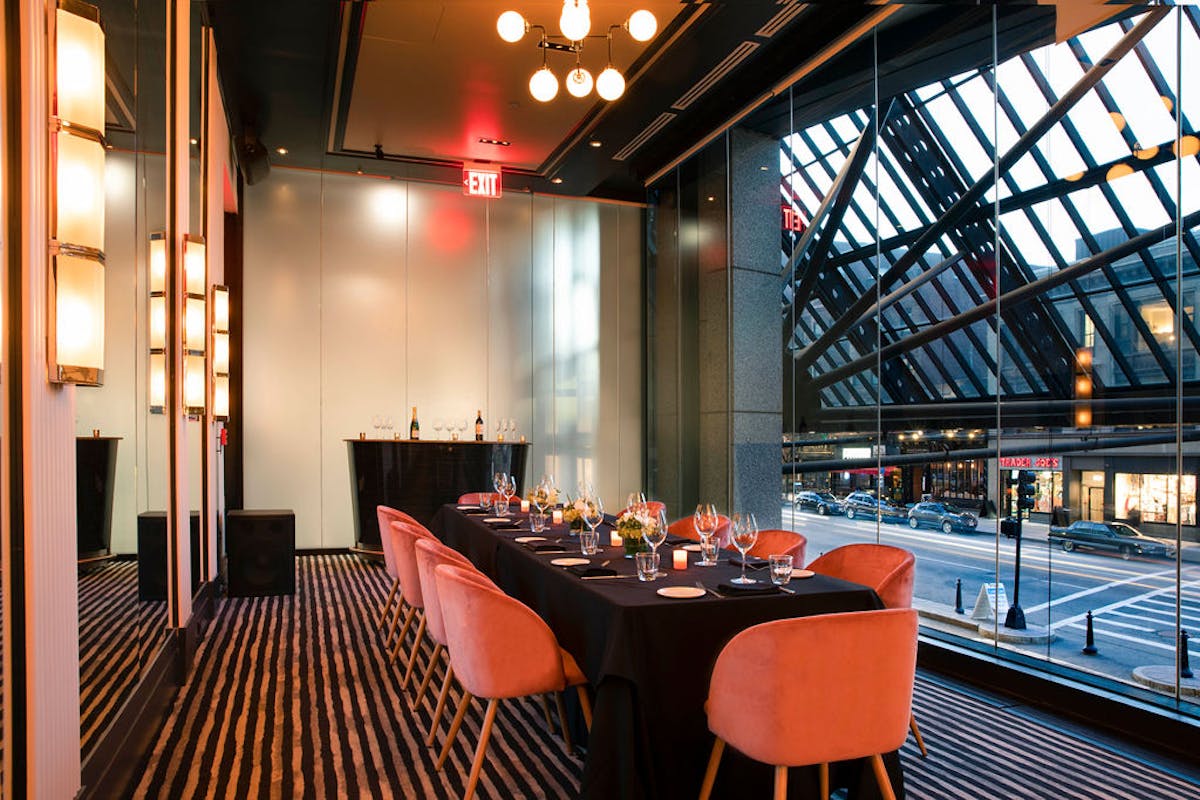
(1048, 470)
(1143, 491)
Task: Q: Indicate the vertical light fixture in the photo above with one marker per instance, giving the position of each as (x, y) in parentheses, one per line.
(220, 353)
(75, 351)
(195, 324)
(158, 322)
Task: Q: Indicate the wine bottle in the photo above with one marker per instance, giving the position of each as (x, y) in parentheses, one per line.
(479, 425)
(414, 427)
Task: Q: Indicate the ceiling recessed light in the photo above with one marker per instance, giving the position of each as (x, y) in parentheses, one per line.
(712, 198)
(194, 141)
(556, 180)
(283, 151)
(763, 168)
(498, 142)
(595, 142)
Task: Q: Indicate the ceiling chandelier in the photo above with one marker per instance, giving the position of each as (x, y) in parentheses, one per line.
(575, 23)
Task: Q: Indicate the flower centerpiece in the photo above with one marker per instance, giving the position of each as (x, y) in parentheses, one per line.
(542, 496)
(573, 514)
(630, 525)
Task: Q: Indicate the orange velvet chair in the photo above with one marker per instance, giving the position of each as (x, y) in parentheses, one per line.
(500, 649)
(890, 571)
(655, 506)
(761, 697)
(685, 528)
(476, 498)
(386, 516)
(773, 542)
(404, 537)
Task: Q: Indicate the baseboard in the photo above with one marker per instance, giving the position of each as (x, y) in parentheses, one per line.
(118, 756)
(325, 551)
(1124, 713)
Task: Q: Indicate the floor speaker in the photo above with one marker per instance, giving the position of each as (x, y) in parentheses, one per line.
(260, 550)
(152, 554)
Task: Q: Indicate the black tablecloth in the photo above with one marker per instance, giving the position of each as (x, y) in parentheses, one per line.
(649, 658)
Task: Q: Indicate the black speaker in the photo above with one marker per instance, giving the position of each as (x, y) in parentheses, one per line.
(260, 550)
(152, 554)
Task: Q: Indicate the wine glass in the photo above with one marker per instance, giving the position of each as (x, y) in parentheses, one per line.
(706, 521)
(377, 423)
(437, 428)
(593, 512)
(499, 430)
(512, 429)
(635, 500)
(655, 533)
(510, 489)
(541, 496)
(745, 534)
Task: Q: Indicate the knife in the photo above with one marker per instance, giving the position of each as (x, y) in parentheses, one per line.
(710, 590)
(604, 577)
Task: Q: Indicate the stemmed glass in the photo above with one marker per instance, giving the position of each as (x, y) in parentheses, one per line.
(745, 534)
(499, 481)
(655, 533)
(510, 489)
(593, 511)
(377, 423)
(706, 521)
(635, 500)
(437, 428)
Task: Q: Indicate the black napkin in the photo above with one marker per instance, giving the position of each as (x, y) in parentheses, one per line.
(675, 541)
(473, 512)
(546, 548)
(734, 589)
(591, 572)
(505, 525)
(751, 562)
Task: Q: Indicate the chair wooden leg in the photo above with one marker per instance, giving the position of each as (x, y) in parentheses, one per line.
(823, 772)
(412, 655)
(562, 720)
(387, 604)
(433, 661)
(780, 782)
(546, 712)
(489, 718)
(441, 706)
(710, 774)
(401, 609)
(916, 732)
(585, 705)
(454, 726)
(881, 777)
(408, 618)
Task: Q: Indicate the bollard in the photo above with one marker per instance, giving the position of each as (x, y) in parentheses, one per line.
(1185, 669)
(958, 609)
(1089, 647)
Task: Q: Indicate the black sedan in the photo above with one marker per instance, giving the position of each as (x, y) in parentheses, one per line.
(943, 516)
(1114, 537)
(865, 504)
(823, 503)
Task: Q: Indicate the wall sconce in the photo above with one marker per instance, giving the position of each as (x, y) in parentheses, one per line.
(75, 351)
(195, 324)
(158, 323)
(220, 352)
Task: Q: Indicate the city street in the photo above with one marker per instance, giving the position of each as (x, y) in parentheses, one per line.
(1133, 602)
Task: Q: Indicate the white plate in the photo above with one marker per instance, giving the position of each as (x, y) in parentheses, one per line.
(498, 519)
(692, 548)
(528, 539)
(570, 562)
(802, 573)
(681, 592)
(467, 508)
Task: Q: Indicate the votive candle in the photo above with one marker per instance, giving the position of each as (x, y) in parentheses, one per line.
(525, 506)
(556, 516)
(680, 558)
(614, 539)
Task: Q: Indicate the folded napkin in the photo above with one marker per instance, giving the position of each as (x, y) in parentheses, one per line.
(592, 572)
(751, 562)
(675, 541)
(547, 548)
(504, 525)
(733, 589)
(475, 512)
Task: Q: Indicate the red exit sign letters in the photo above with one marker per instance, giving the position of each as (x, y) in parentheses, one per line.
(481, 180)
(792, 221)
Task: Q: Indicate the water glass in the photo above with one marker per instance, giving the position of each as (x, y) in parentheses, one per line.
(647, 566)
(589, 543)
(708, 552)
(537, 522)
(781, 569)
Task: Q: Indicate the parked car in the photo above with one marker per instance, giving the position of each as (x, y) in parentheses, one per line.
(823, 503)
(1117, 537)
(865, 504)
(947, 517)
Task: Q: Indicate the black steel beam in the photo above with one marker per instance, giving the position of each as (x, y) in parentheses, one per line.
(970, 199)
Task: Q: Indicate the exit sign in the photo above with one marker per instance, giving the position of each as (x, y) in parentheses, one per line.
(792, 221)
(481, 180)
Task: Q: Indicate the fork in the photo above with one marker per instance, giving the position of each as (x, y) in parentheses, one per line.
(713, 592)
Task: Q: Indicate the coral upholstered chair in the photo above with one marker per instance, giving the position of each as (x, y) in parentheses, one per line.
(404, 536)
(772, 542)
(686, 528)
(653, 506)
(500, 649)
(761, 698)
(890, 571)
(476, 499)
(386, 516)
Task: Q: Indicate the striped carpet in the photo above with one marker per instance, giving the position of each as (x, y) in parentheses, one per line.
(116, 635)
(291, 697)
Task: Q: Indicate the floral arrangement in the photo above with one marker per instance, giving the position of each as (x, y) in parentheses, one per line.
(542, 496)
(632, 522)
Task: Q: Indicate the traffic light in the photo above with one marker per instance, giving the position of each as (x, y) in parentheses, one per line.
(1026, 489)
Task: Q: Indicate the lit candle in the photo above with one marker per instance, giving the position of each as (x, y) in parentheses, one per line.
(680, 556)
(525, 506)
(615, 539)
(556, 517)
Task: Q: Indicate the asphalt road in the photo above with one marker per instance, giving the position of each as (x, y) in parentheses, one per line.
(1133, 602)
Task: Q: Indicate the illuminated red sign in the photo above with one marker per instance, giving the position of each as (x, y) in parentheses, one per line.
(481, 181)
(1029, 462)
(792, 221)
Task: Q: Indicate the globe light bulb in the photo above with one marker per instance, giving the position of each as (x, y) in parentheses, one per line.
(576, 20)
(642, 25)
(579, 82)
(610, 84)
(511, 26)
(543, 85)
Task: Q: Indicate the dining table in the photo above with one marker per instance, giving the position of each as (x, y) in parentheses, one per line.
(648, 657)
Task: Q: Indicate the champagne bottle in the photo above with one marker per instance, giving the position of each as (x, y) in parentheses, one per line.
(479, 425)
(414, 427)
